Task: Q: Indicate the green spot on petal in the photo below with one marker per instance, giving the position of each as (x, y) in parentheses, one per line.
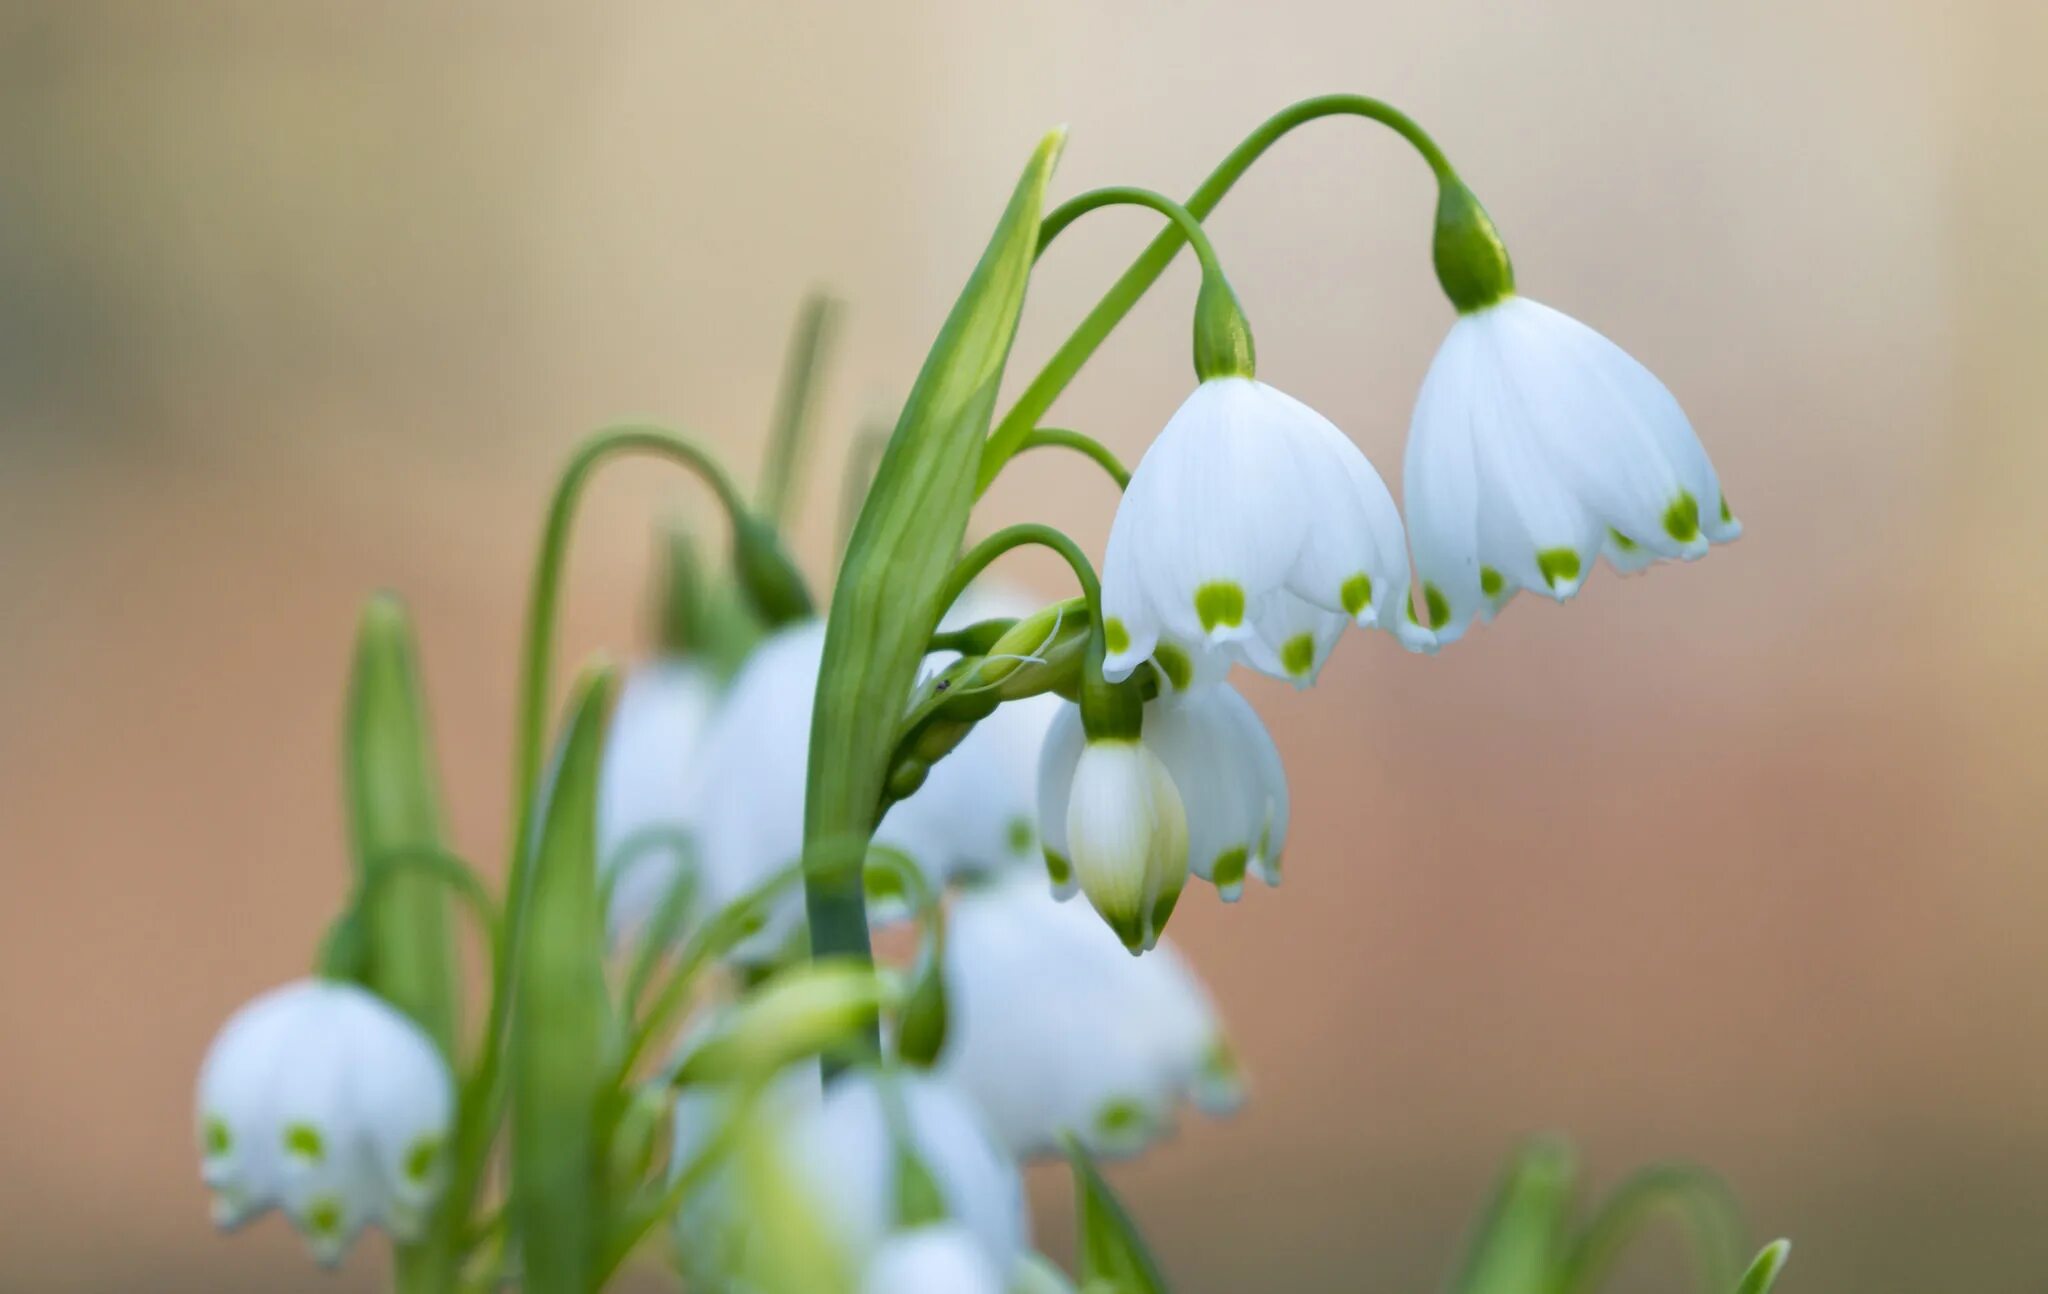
(218, 1140)
(420, 1160)
(1439, 606)
(1228, 870)
(1114, 636)
(1682, 518)
(304, 1140)
(1219, 605)
(1356, 594)
(1298, 654)
(1058, 868)
(1174, 663)
(323, 1216)
(1162, 908)
(1726, 516)
(1021, 834)
(1558, 564)
(1121, 1117)
(1621, 541)
(1490, 582)
(1220, 1063)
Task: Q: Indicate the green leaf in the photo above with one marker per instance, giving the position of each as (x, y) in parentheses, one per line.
(1518, 1242)
(1763, 1273)
(394, 804)
(809, 1008)
(1112, 1255)
(561, 1028)
(909, 530)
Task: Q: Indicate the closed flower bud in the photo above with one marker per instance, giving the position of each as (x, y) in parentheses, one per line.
(1126, 832)
(1056, 1030)
(1537, 446)
(320, 1097)
(1255, 528)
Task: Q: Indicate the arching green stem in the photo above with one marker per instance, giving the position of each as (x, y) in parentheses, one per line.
(443, 866)
(983, 554)
(1067, 361)
(1697, 1198)
(1061, 438)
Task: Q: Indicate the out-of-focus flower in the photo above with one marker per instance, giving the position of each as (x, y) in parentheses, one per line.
(1056, 1029)
(1537, 444)
(321, 1097)
(644, 789)
(942, 1259)
(1254, 525)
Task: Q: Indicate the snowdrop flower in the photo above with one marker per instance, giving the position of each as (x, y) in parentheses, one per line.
(940, 1259)
(321, 1097)
(1255, 526)
(1114, 827)
(1537, 445)
(845, 1152)
(1225, 774)
(1056, 1029)
(644, 788)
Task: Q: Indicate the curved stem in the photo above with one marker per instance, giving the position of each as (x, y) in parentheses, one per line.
(1125, 195)
(1696, 1197)
(1002, 541)
(440, 865)
(482, 1095)
(1038, 397)
(1061, 438)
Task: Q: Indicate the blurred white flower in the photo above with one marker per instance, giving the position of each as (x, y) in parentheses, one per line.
(1226, 774)
(321, 1097)
(1537, 444)
(644, 787)
(1254, 525)
(1056, 1029)
(942, 1259)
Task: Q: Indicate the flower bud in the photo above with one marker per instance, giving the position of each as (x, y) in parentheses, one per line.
(809, 1008)
(322, 1097)
(1127, 834)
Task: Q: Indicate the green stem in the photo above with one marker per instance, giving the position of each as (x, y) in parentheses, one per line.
(796, 404)
(1061, 438)
(980, 556)
(1694, 1196)
(483, 1095)
(1116, 303)
(438, 864)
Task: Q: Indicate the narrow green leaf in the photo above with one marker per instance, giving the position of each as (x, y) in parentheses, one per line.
(903, 544)
(1520, 1237)
(394, 803)
(561, 1028)
(1763, 1273)
(1112, 1254)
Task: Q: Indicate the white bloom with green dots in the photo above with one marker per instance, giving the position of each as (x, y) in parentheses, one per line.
(322, 1098)
(643, 792)
(1226, 775)
(1538, 445)
(1253, 526)
(1055, 1029)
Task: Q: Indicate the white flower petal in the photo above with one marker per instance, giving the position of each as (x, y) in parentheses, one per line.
(1127, 834)
(1061, 754)
(643, 787)
(1294, 638)
(932, 1260)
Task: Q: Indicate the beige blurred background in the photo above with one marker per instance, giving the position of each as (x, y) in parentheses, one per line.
(1741, 861)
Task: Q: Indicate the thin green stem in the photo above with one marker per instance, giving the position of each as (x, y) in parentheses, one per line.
(980, 556)
(1061, 438)
(796, 404)
(483, 1094)
(675, 1193)
(1116, 303)
(441, 865)
(1696, 1197)
(1125, 195)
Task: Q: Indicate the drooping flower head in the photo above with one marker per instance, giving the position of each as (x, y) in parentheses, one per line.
(1208, 749)
(320, 1097)
(1056, 1029)
(1254, 526)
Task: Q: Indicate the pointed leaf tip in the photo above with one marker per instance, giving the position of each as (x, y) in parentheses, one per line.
(1763, 1273)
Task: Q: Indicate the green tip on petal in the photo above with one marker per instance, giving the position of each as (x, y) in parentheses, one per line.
(1114, 636)
(420, 1160)
(1058, 868)
(1174, 663)
(1298, 654)
(1490, 582)
(1356, 595)
(1228, 869)
(1021, 834)
(323, 1216)
(1439, 606)
(305, 1141)
(218, 1140)
(1558, 564)
(1219, 605)
(1621, 541)
(1162, 908)
(1130, 930)
(1682, 518)
(1122, 1118)
(1727, 517)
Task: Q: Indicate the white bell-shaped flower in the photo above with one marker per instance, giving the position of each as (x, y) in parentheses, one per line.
(1114, 827)
(643, 789)
(1252, 525)
(845, 1152)
(1227, 775)
(941, 1259)
(1055, 1029)
(321, 1097)
(1537, 445)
